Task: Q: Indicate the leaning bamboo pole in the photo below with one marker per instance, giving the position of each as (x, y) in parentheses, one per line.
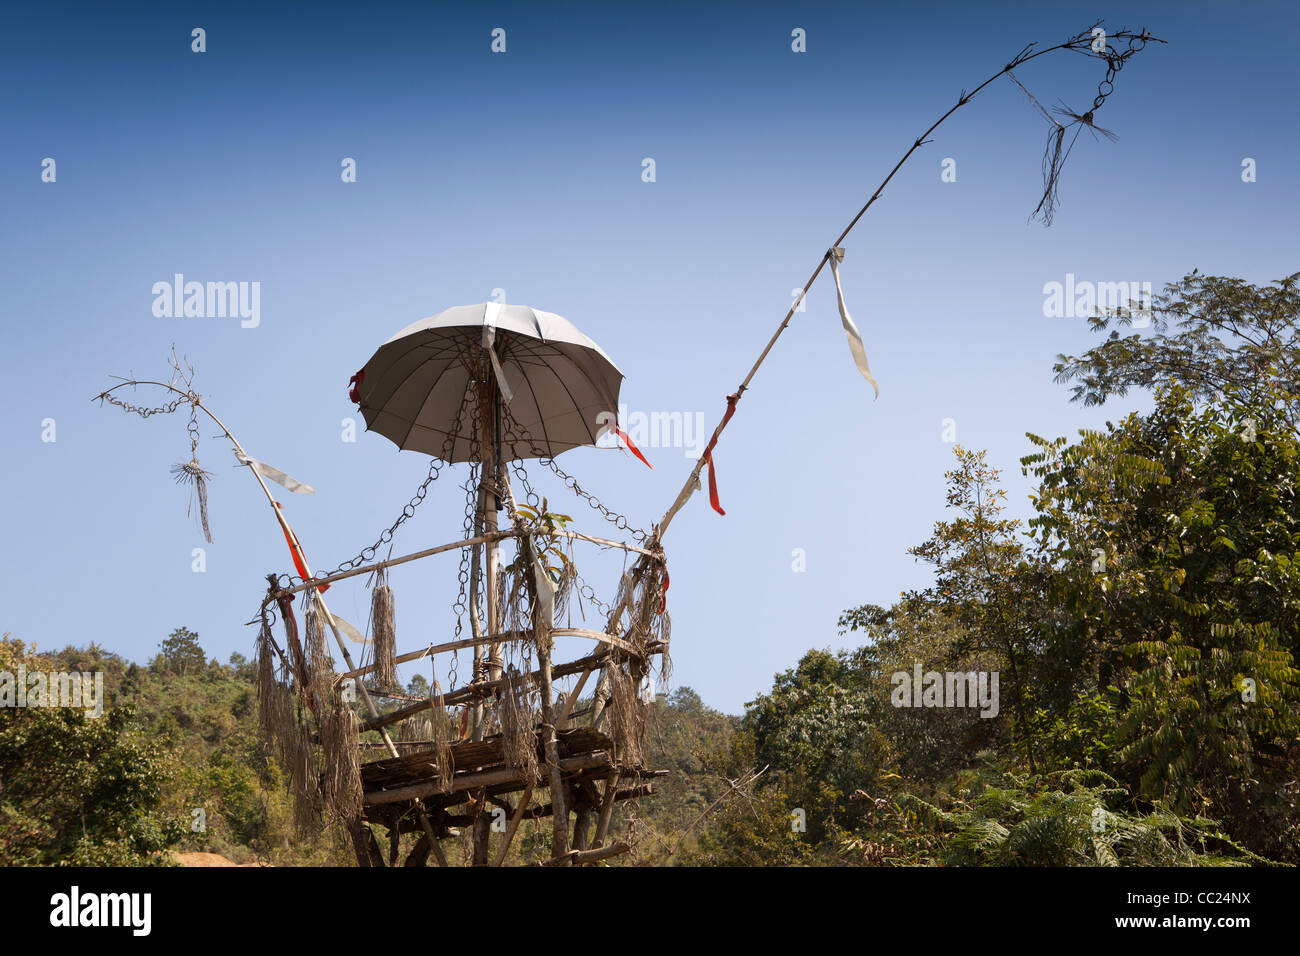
(1080, 42)
(316, 596)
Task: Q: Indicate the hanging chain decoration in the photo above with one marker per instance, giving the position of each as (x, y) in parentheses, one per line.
(1091, 42)
(436, 464)
(517, 433)
(190, 473)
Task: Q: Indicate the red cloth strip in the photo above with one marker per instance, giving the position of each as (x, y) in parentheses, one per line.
(295, 552)
(355, 381)
(731, 410)
(732, 399)
(713, 485)
(663, 599)
(636, 451)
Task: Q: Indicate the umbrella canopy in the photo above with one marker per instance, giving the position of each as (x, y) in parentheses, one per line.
(412, 391)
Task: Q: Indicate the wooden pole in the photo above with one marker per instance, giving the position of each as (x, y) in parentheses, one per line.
(606, 808)
(595, 760)
(483, 655)
(543, 622)
(468, 693)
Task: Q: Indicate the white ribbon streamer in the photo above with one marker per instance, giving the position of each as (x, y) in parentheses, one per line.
(489, 341)
(349, 631)
(851, 331)
(545, 587)
(288, 482)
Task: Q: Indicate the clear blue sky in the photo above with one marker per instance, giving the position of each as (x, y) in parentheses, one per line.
(522, 171)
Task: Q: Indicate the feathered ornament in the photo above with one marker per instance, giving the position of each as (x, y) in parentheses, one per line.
(191, 473)
(1085, 119)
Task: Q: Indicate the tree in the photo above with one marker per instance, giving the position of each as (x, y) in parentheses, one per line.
(927, 743)
(978, 582)
(1211, 334)
(1174, 540)
(76, 789)
(181, 653)
(817, 728)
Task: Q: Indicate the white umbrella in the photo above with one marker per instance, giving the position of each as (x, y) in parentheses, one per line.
(555, 381)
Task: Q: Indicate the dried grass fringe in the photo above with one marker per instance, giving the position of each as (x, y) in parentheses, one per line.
(440, 731)
(384, 630)
(278, 715)
(626, 717)
(340, 783)
(518, 732)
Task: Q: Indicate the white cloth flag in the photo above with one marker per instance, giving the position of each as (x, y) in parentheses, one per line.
(855, 338)
(288, 482)
(545, 587)
(489, 342)
(349, 630)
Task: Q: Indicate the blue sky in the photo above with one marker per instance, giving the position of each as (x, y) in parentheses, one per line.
(522, 171)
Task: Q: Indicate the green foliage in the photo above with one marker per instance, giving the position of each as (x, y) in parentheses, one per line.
(818, 729)
(1194, 513)
(1075, 818)
(124, 789)
(181, 653)
(76, 789)
(1209, 334)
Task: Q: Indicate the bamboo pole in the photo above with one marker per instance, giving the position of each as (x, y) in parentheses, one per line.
(606, 809)
(595, 760)
(578, 857)
(487, 521)
(456, 546)
(469, 692)
(1080, 41)
(543, 622)
(517, 816)
(600, 637)
(316, 593)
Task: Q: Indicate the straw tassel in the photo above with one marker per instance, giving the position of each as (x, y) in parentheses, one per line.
(192, 475)
(384, 631)
(518, 735)
(440, 729)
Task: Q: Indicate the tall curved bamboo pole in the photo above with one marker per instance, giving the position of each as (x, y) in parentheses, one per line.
(1079, 42)
(369, 702)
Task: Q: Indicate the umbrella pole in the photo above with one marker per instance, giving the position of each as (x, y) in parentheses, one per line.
(543, 620)
(487, 658)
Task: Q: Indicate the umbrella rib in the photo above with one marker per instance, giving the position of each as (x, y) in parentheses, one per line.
(450, 342)
(555, 351)
(541, 419)
(439, 352)
(573, 401)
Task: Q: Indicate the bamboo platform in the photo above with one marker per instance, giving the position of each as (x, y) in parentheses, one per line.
(481, 775)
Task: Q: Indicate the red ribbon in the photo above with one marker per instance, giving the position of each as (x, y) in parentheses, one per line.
(295, 552)
(355, 381)
(636, 451)
(732, 399)
(663, 598)
(713, 484)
